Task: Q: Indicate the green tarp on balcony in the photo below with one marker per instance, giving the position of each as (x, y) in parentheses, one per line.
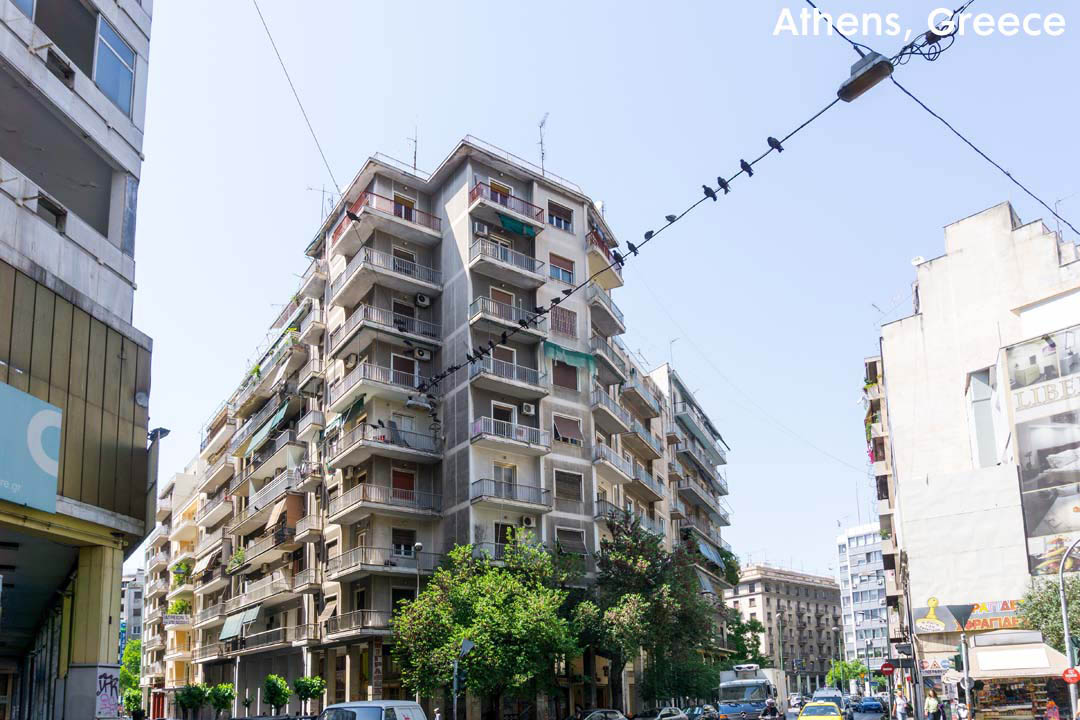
(260, 435)
(516, 226)
(570, 357)
(231, 628)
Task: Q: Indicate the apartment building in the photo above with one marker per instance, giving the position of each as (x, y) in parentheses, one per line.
(334, 479)
(131, 608)
(802, 619)
(863, 595)
(984, 428)
(74, 372)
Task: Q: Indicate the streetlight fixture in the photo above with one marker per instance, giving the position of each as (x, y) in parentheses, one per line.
(870, 69)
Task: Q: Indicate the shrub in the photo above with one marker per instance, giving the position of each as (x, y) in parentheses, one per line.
(180, 607)
(277, 692)
(221, 698)
(192, 698)
(309, 688)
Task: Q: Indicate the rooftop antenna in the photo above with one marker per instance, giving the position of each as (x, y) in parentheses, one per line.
(328, 200)
(543, 122)
(1056, 203)
(415, 140)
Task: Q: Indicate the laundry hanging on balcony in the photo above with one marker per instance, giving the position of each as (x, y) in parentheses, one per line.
(516, 226)
(570, 357)
(260, 435)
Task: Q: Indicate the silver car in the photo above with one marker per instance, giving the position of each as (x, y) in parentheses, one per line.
(374, 710)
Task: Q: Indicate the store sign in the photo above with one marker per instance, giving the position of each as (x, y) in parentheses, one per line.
(1044, 385)
(30, 448)
(985, 615)
(935, 665)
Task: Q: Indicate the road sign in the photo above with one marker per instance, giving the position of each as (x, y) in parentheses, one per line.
(1071, 676)
(887, 668)
(967, 683)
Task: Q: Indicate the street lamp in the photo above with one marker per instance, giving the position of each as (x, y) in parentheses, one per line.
(1065, 621)
(417, 548)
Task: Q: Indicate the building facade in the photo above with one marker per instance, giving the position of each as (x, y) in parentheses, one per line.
(131, 608)
(863, 595)
(801, 616)
(334, 479)
(74, 373)
(982, 388)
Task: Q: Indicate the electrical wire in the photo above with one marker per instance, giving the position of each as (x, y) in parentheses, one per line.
(859, 47)
(297, 96)
(984, 156)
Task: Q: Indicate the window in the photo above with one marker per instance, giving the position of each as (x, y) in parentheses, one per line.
(402, 541)
(751, 587)
(571, 540)
(504, 473)
(52, 212)
(564, 375)
(114, 71)
(568, 430)
(561, 268)
(500, 193)
(403, 370)
(564, 322)
(399, 595)
(503, 414)
(404, 207)
(560, 217)
(980, 391)
(568, 486)
(753, 602)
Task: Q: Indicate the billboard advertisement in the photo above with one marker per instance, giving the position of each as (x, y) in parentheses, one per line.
(1044, 384)
(30, 448)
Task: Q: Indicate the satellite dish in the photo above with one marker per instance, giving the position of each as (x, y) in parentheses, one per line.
(142, 399)
(918, 260)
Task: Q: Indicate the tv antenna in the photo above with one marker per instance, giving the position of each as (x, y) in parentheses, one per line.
(543, 122)
(415, 140)
(329, 198)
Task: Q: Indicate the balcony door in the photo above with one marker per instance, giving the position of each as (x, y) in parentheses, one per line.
(500, 193)
(404, 261)
(403, 371)
(505, 478)
(503, 534)
(505, 303)
(405, 207)
(403, 485)
(505, 417)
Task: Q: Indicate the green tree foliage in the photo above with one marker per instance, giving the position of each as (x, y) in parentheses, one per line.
(309, 688)
(191, 698)
(511, 612)
(180, 606)
(131, 664)
(683, 674)
(276, 692)
(132, 700)
(221, 698)
(732, 571)
(844, 671)
(744, 641)
(1040, 609)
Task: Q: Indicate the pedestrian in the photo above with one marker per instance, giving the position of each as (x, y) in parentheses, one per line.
(438, 714)
(901, 706)
(932, 706)
(962, 711)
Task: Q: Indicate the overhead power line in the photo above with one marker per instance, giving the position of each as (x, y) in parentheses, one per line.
(297, 96)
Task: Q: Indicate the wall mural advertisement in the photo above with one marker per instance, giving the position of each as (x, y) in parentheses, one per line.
(1044, 382)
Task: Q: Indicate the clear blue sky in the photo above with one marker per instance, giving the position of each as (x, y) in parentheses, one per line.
(771, 290)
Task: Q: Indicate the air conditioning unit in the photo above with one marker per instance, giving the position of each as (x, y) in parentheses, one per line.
(422, 300)
(527, 521)
(421, 353)
(350, 361)
(528, 409)
(480, 228)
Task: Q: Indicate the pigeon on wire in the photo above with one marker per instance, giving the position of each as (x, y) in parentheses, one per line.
(746, 168)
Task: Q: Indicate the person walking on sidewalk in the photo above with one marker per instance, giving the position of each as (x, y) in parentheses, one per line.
(932, 706)
(901, 706)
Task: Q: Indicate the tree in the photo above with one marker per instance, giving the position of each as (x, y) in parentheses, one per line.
(732, 571)
(309, 688)
(682, 674)
(1040, 609)
(192, 698)
(277, 692)
(131, 664)
(510, 611)
(744, 642)
(180, 606)
(844, 671)
(132, 700)
(221, 698)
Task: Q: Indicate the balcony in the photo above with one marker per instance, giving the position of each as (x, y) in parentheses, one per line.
(310, 426)
(690, 452)
(313, 325)
(313, 283)
(645, 485)
(494, 317)
(310, 474)
(703, 528)
(608, 415)
(262, 503)
(178, 649)
(510, 437)
(158, 587)
(363, 441)
(600, 260)
(606, 315)
(309, 528)
(183, 528)
(215, 436)
(272, 590)
(641, 395)
(207, 652)
(364, 499)
(176, 621)
(210, 541)
(371, 381)
(610, 465)
(154, 669)
(284, 451)
(676, 508)
(153, 613)
(214, 509)
(153, 642)
(370, 266)
(492, 206)
(612, 368)
(357, 622)
(504, 495)
(311, 374)
(212, 579)
(360, 561)
(374, 212)
(275, 638)
(240, 441)
(497, 261)
(164, 508)
(157, 561)
(675, 471)
(286, 357)
(308, 581)
(159, 535)
(671, 433)
(367, 321)
(643, 442)
(181, 585)
(607, 512)
(505, 378)
(217, 474)
(699, 426)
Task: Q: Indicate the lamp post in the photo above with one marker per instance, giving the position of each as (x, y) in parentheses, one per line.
(869, 676)
(417, 548)
(1065, 622)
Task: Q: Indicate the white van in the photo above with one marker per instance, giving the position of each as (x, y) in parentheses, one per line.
(374, 710)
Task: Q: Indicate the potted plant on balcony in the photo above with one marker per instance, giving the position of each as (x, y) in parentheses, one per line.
(276, 692)
(246, 702)
(237, 559)
(181, 574)
(180, 607)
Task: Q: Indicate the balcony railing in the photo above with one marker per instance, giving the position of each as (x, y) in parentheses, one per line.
(287, 341)
(403, 557)
(382, 495)
(283, 438)
(260, 500)
(704, 424)
(645, 388)
(218, 464)
(309, 522)
(601, 346)
(510, 491)
(159, 585)
(310, 576)
(643, 476)
(511, 431)
(210, 504)
(592, 240)
(507, 313)
(605, 510)
(495, 551)
(210, 576)
(384, 318)
(598, 293)
(314, 417)
(392, 207)
(645, 434)
(383, 436)
(254, 423)
(599, 397)
(153, 642)
(152, 614)
(503, 254)
(271, 540)
(372, 258)
(209, 651)
(506, 370)
(265, 638)
(603, 453)
(359, 620)
(159, 558)
(210, 429)
(510, 202)
(258, 591)
(209, 540)
(373, 373)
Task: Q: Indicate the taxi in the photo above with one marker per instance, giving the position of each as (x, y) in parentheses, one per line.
(821, 711)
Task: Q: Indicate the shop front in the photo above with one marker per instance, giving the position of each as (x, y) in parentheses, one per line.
(1018, 677)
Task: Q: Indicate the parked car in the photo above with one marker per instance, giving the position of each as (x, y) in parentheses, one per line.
(702, 712)
(664, 713)
(870, 705)
(795, 701)
(373, 710)
(604, 714)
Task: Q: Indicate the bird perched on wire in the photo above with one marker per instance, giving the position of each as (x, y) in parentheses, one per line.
(746, 168)
(670, 218)
(631, 247)
(723, 185)
(709, 192)
(775, 144)
(649, 234)
(619, 259)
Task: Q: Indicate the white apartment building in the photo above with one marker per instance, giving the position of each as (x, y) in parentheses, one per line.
(332, 481)
(862, 594)
(982, 386)
(131, 608)
(72, 107)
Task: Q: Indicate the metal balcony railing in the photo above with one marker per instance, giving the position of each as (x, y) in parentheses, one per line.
(593, 241)
(153, 642)
(209, 540)
(506, 370)
(310, 576)
(209, 428)
(601, 398)
(217, 465)
(510, 491)
(603, 453)
(653, 441)
(496, 551)
(314, 365)
(605, 510)
(510, 202)
(689, 409)
(595, 292)
(159, 585)
(309, 522)
(152, 614)
(383, 436)
(507, 313)
(258, 591)
(382, 495)
(254, 423)
(261, 499)
(384, 318)
(372, 258)
(265, 638)
(255, 376)
(645, 477)
(501, 253)
(269, 541)
(283, 438)
(644, 388)
(214, 611)
(402, 556)
(373, 373)
(159, 558)
(209, 651)
(358, 620)
(210, 504)
(511, 431)
(392, 207)
(314, 417)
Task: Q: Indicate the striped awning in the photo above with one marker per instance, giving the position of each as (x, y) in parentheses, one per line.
(231, 628)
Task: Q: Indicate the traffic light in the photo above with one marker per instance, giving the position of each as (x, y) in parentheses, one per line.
(958, 659)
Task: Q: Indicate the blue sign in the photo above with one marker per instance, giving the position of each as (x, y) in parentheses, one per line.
(30, 448)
